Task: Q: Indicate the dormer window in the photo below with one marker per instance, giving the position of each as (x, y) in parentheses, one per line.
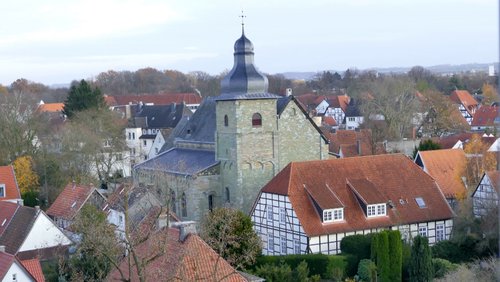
(256, 120)
(332, 215)
(376, 210)
(2, 190)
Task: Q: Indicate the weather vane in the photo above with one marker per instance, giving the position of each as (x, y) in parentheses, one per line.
(242, 21)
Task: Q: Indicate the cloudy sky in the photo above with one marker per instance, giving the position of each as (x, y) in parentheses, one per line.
(56, 41)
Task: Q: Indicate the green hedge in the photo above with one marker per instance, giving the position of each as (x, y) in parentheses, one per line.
(326, 266)
(442, 267)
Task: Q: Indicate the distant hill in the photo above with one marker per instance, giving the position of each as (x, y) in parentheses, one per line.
(438, 69)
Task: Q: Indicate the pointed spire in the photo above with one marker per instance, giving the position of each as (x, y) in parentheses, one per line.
(242, 22)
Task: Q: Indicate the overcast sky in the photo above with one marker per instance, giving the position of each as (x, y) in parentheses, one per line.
(56, 41)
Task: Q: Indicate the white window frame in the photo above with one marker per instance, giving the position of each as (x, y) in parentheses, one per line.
(440, 232)
(2, 190)
(270, 243)
(332, 215)
(297, 247)
(270, 215)
(282, 215)
(376, 210)
(422, 231)
(283, 245)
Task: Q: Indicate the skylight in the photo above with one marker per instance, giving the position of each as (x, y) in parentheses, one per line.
(73, 205)
(420, 202)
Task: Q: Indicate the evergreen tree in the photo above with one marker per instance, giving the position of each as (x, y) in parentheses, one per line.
(395, 255)
(82, 97)
(420, 267)
(383, 260)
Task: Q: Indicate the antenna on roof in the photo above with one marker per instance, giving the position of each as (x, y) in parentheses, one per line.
(242, 22)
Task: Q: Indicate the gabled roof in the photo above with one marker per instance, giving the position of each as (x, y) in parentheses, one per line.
(446, 166)
(463, 97)
(156, 99)
(160, 116)
(19, 224)
(34, 268)
(71, 200)
(346, 142)
(329, 120)
(447, 142)
(8, 177)
(175, 260)
(8, 211)
(494, 178)
(485, 116)
(339, 101)
(51, 107)
(6, 262)
(180, 161)
(398, 180)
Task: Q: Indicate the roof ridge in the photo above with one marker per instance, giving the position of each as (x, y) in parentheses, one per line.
(10, 221)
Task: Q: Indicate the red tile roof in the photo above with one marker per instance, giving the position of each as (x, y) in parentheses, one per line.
(34, 268)
(157, 99)
(346, 141)
(446, 166)
(463, 97)
(340, 101)
(398, 180)
(328, 120)
(51, 107)
(6, 260)
(494, 177)
(485, 115)
(19, 225)
(447, 142)
(8, 178)
(69, 202)
(189, 260)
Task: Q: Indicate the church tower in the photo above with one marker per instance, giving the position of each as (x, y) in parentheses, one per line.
(246, 129)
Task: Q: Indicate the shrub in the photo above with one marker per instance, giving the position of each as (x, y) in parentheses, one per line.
(358, 245)
(395, 255)
(382, 254)
(367, 270)
(442, 267)
(272, 272)
(336, 268)
(420, 267)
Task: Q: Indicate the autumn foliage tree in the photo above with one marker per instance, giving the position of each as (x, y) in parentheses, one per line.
(27, 180)
(479, 160)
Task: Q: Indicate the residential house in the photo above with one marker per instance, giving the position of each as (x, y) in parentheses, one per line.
(126, 104)
(11, 269)
(447, 167)
(484, 118)
(28, 232)
(9, 191)
(334, 106)
(353, 116)
(34, 267)
(177, 254)
(310, 102)
(147, 122)
(350, 143)
(159, 141)
(485, 197)
(310, 206)
(71, 200)
(233, 144)
(466, 104)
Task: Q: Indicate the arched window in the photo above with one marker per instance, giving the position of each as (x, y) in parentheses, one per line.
(173, 206)
(210, 202)
(184, 205)
(228, 198)
(256, 120)
(226, 120)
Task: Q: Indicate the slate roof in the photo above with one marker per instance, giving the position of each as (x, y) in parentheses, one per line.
(20, 220)
(446, 166)
(200, 127)
(175, 260)
(8, 210)
(8, 177)
(353, 109)
(70, 200)
(160, 116)
(180, 161)
(34, 268)
(156, 99)
(398, 181)
(485, 116)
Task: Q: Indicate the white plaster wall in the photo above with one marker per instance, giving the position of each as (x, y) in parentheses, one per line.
(44, 234)
(21, 274)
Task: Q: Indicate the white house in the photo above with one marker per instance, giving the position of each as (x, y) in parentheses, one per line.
(28, 230)
(310, 206)
(466, 104)
(11, 269)
(485, 197)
